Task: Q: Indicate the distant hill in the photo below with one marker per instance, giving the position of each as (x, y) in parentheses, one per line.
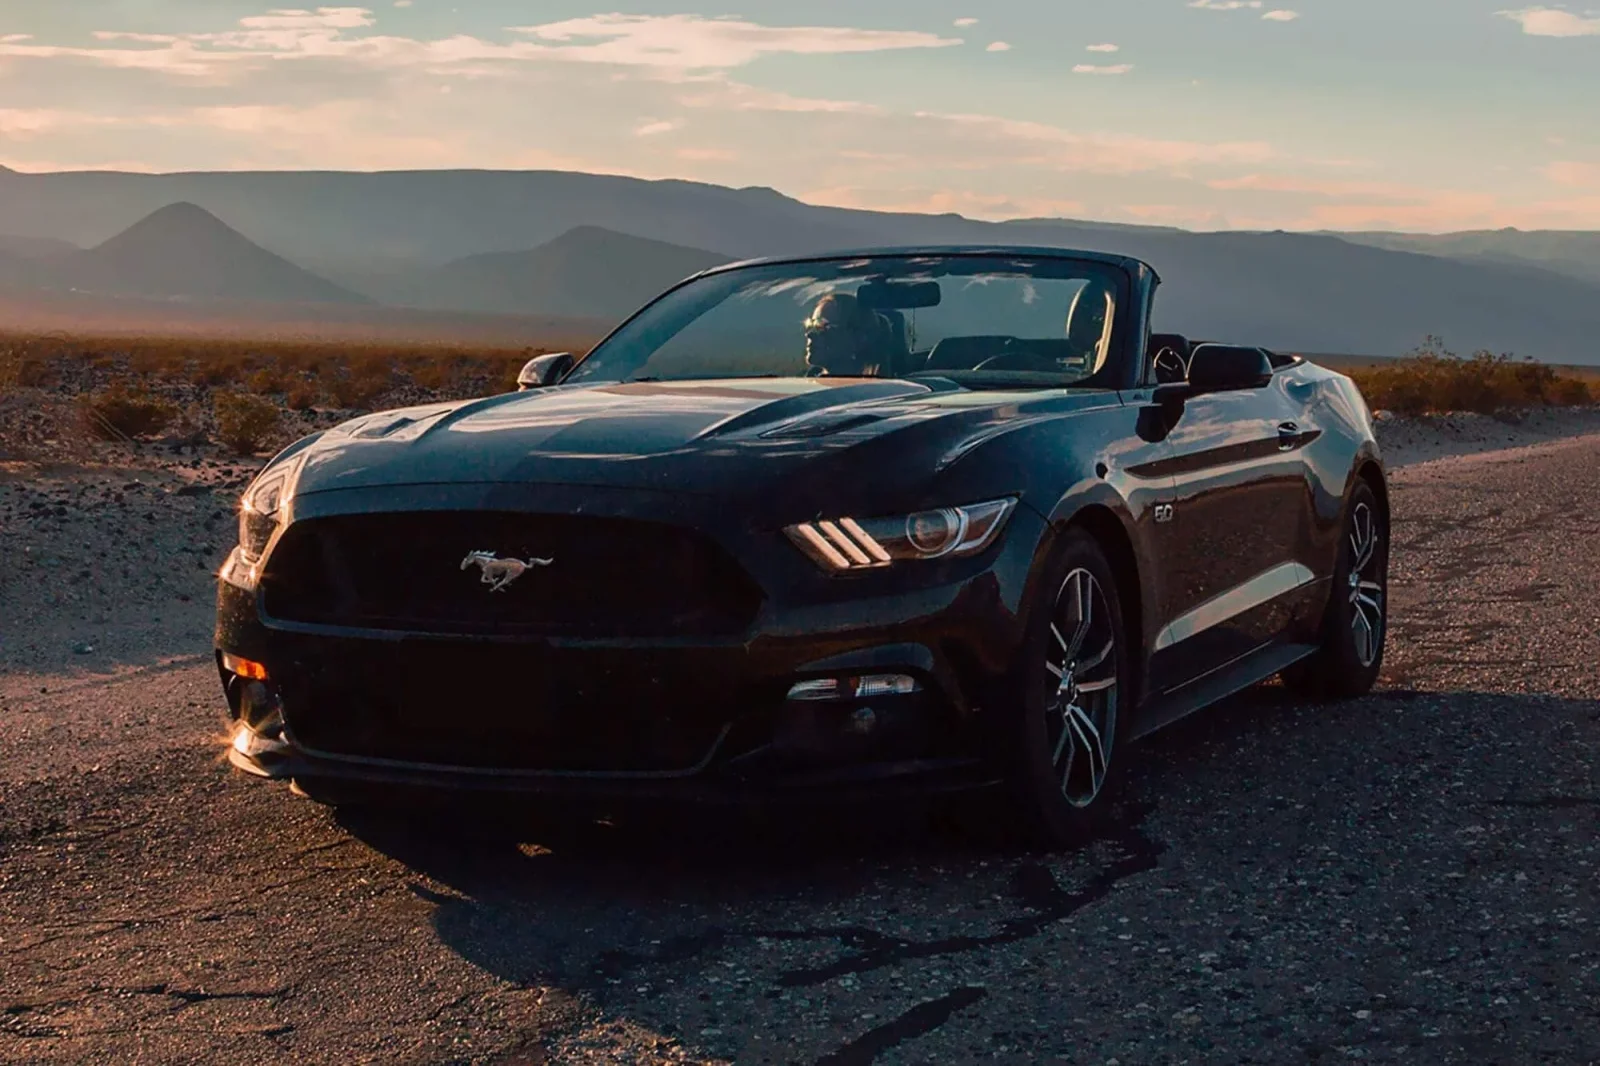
(183, 252)
(13, 247)
(1575, 253)
(587, 271)
(466, 234)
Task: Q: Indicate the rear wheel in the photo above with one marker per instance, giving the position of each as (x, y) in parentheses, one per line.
(1355, 625)
(1065, 696)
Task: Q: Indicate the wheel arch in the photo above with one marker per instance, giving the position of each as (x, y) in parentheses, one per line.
(1371, 472)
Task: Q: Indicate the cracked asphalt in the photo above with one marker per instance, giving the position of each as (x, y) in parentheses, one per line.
(1410, 877)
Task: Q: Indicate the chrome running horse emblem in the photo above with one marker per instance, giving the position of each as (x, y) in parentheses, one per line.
(499, 573)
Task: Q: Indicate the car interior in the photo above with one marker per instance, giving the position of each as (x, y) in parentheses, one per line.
(1085, 328)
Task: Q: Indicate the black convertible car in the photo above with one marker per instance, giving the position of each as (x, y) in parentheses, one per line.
(813, 527)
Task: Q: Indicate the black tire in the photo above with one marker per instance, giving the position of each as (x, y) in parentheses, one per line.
(1355, 625)
(1058, 782)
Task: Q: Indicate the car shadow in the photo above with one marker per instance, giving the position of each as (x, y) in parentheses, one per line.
(645, 913)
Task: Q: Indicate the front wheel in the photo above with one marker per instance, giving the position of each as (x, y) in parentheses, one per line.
(1065, 696)
(1355, 626)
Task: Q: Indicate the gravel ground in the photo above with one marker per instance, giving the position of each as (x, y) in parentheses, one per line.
(1408, 877)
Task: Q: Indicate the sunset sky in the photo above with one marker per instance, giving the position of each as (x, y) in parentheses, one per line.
(1304, 114)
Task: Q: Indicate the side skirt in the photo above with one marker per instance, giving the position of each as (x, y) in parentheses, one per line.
(1219, 684)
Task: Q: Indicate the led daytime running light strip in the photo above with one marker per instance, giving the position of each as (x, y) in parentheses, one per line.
(844, 545)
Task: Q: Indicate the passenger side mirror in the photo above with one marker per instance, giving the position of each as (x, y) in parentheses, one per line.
(544, 370)
(1228, 368)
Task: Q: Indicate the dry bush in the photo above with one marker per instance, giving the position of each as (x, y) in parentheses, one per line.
(245, 423)
(1434, 379)
(269, 380)
(1573, 392)
(357, 385)
(122, 414)
(302, 396)
(10, 367)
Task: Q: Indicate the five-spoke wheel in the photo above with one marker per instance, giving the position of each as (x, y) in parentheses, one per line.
(1355, 625)
(1065, 693)
(1081, 708)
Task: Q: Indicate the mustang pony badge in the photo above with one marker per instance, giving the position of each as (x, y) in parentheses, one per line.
(499, 573)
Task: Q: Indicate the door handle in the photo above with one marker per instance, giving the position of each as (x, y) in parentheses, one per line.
(1288, 436)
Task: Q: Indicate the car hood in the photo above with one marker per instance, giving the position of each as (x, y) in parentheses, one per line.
(711, 437)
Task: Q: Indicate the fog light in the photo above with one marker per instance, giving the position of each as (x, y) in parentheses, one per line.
(261, 727)
(260, 708)
(863, 721)
(845, 688)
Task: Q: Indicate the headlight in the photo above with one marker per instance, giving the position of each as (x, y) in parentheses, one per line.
(263, 506)
(851, 544)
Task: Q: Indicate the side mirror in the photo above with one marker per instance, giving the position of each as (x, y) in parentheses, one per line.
(544, 370)
(1228, 368)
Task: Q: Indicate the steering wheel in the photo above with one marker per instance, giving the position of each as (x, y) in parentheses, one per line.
(1022, 360)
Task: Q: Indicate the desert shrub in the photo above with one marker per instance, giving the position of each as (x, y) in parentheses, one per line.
(245, 423)
(122, 414)
(214, 373)
(440, 374)
(268, 380)
(10, 367)
(358, 386)
(1433, 378)
(302, 396)
(1572, 392)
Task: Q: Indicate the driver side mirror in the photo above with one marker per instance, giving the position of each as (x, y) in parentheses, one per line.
(544, 370)
(1228, 368)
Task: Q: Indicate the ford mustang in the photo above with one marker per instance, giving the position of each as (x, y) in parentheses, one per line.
(932, 519)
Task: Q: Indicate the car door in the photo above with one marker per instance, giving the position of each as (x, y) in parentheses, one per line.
(1241, 497)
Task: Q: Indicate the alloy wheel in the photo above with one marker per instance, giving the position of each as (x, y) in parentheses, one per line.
(1081, 708)
(1366, 583)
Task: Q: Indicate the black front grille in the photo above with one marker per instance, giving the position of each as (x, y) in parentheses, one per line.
(609, 578)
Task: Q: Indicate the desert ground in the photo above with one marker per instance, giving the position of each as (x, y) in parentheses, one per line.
(1409, 877)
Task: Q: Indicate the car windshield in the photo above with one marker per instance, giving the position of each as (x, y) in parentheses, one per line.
(997, 320)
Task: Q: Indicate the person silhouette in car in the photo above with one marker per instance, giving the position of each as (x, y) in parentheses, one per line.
(844, 338)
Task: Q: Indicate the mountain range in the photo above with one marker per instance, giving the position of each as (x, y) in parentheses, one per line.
(596, 246)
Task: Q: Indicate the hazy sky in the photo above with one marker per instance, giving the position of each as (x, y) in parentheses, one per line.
(1413, 114)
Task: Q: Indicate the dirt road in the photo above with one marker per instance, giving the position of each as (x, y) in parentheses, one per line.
(1410, 877)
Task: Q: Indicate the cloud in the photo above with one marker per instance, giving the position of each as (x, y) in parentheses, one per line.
(668, 42)
(1103, 48)
(1574, 175)
(693, 42)
(998, 46)
(1225, 5)
(1281, 15)
(965, 23)
(653, 129)
(403, 3)
(1554, 22)
(323, 18)
(1090, 68)
(19, 123)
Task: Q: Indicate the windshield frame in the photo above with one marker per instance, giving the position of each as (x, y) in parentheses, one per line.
(1124, 356)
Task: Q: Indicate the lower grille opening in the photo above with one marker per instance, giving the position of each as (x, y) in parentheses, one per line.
(480, 707)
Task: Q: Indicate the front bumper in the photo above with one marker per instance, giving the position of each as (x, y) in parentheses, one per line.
(693, 719)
